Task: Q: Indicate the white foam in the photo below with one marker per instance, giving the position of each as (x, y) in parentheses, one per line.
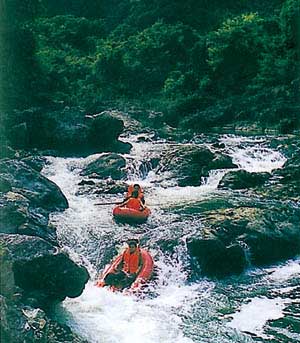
(102, 316)
(254, 315)
(285, 272)
(251, 154)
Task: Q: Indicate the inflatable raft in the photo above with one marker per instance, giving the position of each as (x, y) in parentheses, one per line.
(130, 215)
(144, 275)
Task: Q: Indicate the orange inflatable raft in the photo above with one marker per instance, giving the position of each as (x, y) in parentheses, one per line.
(130, 215)
(144, 275)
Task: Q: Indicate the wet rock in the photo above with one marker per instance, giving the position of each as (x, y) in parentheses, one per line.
(241, 179)
(215, 258)
(35, 187)
(189, 163)
(104, 129)
(221, 161)
(269, 233)
(106, 166)
(219, 145)
(268, 245)
(20, 323)
(42, 271)
(86, 183)
(286, 181)
(35, 162)
(290, 172)
(107, 186)
(18, 216)
(111, 187)
(12, 215)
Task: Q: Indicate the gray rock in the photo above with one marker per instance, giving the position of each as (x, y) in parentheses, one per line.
(106, 166)
(18, 216)
(37, 188)
(25, 324)
(189, 164)
(267, 233)
(215, 258)
(42, 271)
(241, 179)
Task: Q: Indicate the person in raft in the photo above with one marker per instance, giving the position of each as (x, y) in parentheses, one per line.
(134, 202)
(129, 267)
(138, 188)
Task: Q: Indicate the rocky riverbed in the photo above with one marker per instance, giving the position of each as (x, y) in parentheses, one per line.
(222, 205)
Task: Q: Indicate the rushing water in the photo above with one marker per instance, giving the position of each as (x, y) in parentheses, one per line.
(173, 308)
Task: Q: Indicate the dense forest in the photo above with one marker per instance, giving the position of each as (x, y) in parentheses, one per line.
(200, 63)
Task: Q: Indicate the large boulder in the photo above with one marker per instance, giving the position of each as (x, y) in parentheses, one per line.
(241, 179)
(26, 200)
(40, 270)
(31, 184)
(215, 258)
(261, 232)
(35, 162)
(188, 164)
(67, 131)
(106, 166)
(18, 216)
(104, 129)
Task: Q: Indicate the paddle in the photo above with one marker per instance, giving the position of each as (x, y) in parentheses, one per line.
(109, 203)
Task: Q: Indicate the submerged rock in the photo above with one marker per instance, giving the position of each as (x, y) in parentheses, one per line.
(106, 166)
(241, 179)
(40, 270)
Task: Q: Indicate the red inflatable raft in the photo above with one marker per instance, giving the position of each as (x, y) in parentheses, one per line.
(144, 275)
(130, 215)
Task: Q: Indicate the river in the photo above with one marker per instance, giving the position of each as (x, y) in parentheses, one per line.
(175, 307)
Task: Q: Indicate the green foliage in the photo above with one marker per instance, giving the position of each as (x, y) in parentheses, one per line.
(19, 71)
(202, 63)
(290, 22)
(234, 51)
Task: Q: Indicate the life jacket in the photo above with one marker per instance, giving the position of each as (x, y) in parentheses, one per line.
(134, 203)
(131, 189)
(131, 261)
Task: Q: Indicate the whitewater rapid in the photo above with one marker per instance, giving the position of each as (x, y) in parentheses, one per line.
(168, 311)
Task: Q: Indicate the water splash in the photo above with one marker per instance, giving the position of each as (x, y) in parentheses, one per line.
(254, 315)
(252, 153)
(167, 314)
